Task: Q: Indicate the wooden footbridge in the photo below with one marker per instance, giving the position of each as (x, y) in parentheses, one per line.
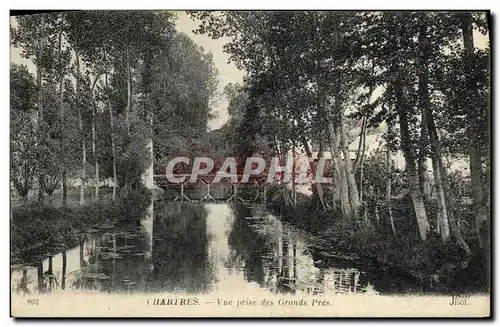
(205, 189)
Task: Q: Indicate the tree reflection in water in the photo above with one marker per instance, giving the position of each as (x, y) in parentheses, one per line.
(248, 245)
(180, 251)
(196, 248)
(277, 256)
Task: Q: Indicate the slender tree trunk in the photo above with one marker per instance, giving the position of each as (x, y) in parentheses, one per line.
(423, 174)
(363, 149)
(442, 215)
(424, 135)
(316, 187)
(24, 190)
(294, 186)
(321, 146)
(454, 224)
(94, 149)
(62, 121)
(24, 282)
(64, 268)
(64, 187)
(125, 189)
(129, 93)
(416, 194)
(321, 154)
(475, 143)
(50, 269)
(80, 252)
(429, 132)
(361, 183)
(80, 124)
(339, 167)
(351, 180)
(436, 149)
(361, 166)
(358, 163)
(148, 115)
(113, 153)
(39, 270)
(50, 273)
(361, 173)
(287, 197)
(150, 170)
(40, 107)
(377, 216)
(388, 190)
(360, 144)
(448, 220)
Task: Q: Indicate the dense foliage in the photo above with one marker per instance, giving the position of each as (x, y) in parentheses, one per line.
(110, 87)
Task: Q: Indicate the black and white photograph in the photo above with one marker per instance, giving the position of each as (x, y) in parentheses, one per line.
(250, 163)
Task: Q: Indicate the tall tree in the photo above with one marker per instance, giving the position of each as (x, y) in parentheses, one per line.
(474, 134)
(30, 36)
(23, 97)
(429, 130)
(75, 32)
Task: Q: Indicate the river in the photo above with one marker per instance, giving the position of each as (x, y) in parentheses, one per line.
(195, 248)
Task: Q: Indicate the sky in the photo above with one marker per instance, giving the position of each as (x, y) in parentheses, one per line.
(228, 73)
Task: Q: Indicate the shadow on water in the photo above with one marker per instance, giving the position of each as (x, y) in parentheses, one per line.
(200, 248)
(278, 257)
(250, 247)
(180, 251)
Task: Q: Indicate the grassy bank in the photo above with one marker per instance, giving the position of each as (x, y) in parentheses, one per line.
(436, 265)
(38, 231)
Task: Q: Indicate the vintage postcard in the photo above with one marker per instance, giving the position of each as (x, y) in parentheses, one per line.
(250, 164)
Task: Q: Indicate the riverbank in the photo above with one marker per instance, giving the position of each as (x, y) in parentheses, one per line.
(38, 231)
(437, 266)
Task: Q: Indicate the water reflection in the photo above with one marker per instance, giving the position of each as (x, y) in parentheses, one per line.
(193, 248)
(277, 256)
(180, 251)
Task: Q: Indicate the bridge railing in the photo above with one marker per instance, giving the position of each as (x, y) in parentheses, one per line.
(256, 181)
